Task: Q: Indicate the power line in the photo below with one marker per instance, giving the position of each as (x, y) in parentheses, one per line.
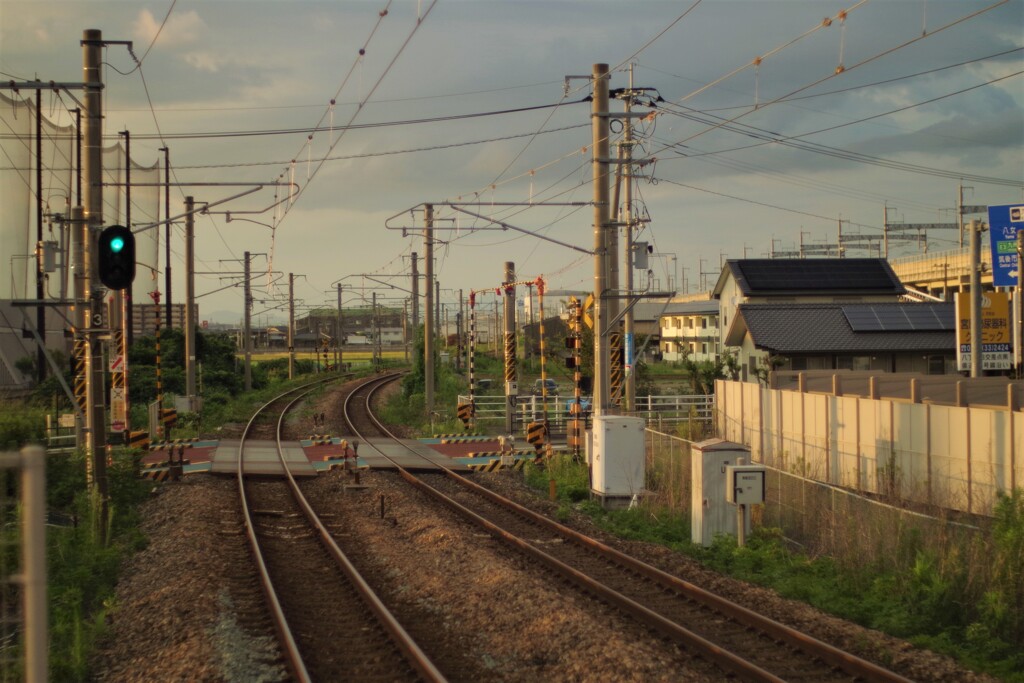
(854, 87)
(841, 68)
(770, 137)
(346, 127)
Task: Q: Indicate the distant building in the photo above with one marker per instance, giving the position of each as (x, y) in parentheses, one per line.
(144, 318)
(690, 330)
(829, 314)
(884, 337)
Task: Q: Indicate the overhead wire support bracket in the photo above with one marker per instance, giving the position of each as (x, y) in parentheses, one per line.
(205, 208)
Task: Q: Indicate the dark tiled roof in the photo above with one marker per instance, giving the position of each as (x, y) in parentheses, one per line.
(789, 277)
(824, 328)
(708, 307)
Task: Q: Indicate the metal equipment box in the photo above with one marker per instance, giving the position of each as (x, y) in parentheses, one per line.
(617, 457)
(710, 513)
(744, 484)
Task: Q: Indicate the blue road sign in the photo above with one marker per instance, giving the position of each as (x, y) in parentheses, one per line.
(1003, 224)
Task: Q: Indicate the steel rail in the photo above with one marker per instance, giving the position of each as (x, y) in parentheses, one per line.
(284, 633)
(746, 670)
(403, 640)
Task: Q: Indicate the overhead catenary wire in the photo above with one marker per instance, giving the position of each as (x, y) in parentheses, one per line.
(833, 74)
(852, 88)
(770, 137)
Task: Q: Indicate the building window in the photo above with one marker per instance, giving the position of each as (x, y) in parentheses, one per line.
(936, 365)
(704, 350)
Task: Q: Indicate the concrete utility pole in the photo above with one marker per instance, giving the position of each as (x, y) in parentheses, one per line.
(167, 233)
(92, 48)
(341, 334)
(405, 328)
(374, 331)
(291, 325)
(124, 299)
(190, 306)
(460, 329)
(428, 309)
(602, 356)
(40, 269)
(629, 381)
(511, 385)
(975, 258)
(415, 304)
(246, 332)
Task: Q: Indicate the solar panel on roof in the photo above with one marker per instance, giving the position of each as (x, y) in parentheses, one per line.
(816, 274)
(899, 318)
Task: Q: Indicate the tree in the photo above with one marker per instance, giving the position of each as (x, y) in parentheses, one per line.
(702, 374)
(766, 365)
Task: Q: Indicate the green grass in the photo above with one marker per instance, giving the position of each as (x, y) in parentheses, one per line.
(947, 604)
(82, 570)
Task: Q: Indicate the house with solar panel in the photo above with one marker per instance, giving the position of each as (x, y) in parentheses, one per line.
(830, 314)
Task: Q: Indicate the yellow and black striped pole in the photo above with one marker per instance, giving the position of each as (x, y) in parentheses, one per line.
(574, 341)
(543, 367)
(472, 357)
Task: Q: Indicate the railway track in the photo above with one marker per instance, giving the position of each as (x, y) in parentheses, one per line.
(330, 624)
(739, 641)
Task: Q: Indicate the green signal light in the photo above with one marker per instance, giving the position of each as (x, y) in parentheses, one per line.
(117, 244)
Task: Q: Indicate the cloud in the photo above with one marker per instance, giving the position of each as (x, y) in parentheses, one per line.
(181, 29)
(204, 60)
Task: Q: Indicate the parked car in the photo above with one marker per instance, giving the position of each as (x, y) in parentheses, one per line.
(552, 388)
(584, 406)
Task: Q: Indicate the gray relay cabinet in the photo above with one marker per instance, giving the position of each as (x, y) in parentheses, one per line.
(711, 513)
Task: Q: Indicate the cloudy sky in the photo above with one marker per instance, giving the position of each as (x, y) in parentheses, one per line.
(890, 106)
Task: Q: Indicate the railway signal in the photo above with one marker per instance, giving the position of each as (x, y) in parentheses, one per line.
(116, 263)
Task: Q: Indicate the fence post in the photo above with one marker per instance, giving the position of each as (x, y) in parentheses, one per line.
(33, 477)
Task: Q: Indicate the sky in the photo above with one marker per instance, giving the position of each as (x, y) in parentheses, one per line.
(776, 121)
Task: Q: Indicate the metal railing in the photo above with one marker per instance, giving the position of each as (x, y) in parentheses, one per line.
(656, 410)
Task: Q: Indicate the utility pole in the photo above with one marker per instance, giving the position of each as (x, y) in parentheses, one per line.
(405, 328)
(92, 47)
(495, 335)
(341, 334)
(511, 385)
(190, 306)
(40, 270)
(629, 381)
(125, 296)
(428, 309)
(415, 304)
(374, 331)
(167, 233)
(459, 329)
(291, 325)
(247, 321)
(599, 123)
(437, 307)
